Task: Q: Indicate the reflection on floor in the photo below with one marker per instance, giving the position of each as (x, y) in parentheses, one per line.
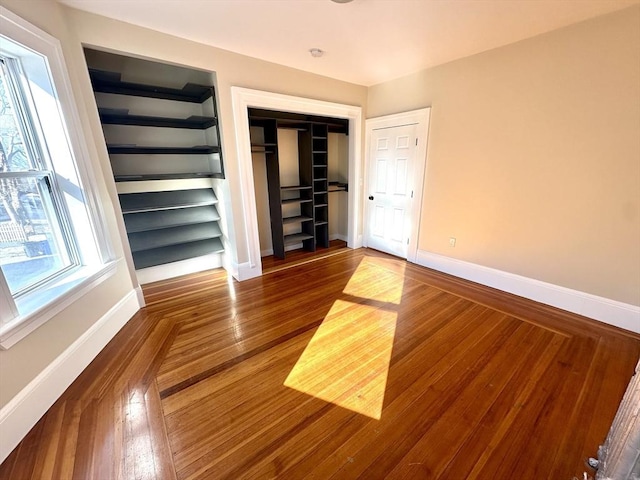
(272, 264)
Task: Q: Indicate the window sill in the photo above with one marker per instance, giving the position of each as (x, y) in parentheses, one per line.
(52, 300)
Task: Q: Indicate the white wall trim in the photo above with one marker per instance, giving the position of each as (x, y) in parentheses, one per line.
(612, 312)
(244, 271)
(83, 280)
(337, 236)
(23, 411)
(244, 98)
(140, 296)
(420, 118)
(182, 267)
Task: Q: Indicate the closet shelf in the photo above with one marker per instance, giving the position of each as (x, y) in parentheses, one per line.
(264, 148)
(149, 150)
(123, 117)
(165, 176)
(173, 236)
(170, 200)
(338, 187)
(295, 200)
(161, 219)
(296, 238)
(174, 253)
(296, 219)
(295, 188)
(109, 82)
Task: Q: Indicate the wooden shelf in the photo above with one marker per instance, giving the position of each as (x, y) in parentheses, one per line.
(169, 200)
(289, 201)
(295, 188)
(296, 219)
(150, 150)
(174, 253)
(338, 187)
(156, 220)
(321, 222)
(173, 236)
(122, 117)
(109, 82)
(165, 176)
(296, 238)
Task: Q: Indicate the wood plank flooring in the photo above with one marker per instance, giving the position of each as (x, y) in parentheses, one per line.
(357, 365)
(293, 258)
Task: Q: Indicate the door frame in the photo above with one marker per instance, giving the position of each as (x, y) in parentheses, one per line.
(245, 98)
(420, 118)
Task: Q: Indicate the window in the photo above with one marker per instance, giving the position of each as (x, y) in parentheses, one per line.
(52, 241)
(34, 245)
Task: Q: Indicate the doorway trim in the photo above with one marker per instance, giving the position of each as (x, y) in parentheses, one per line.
(245, 98)
(420, 118)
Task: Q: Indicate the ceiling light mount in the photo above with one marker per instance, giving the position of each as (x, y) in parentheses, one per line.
(316, 52)
(342, 1)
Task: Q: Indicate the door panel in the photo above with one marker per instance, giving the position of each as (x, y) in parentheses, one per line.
(391, 160)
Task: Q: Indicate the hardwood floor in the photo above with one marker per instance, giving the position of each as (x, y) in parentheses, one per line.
(272, 264)
(358, 365)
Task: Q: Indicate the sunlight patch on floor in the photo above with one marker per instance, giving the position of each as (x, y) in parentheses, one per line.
(347, 360)
(374, 282)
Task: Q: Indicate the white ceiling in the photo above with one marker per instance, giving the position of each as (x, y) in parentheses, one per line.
(366, 41)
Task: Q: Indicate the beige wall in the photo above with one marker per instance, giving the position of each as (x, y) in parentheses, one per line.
(534, 156)
(25, 360)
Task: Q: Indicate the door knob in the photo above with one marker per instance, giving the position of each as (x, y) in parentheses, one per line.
(370, 197)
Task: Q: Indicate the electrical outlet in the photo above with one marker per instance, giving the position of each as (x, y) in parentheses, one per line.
(452, 241)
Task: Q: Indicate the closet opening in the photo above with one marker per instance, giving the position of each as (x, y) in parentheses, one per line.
(301, 179)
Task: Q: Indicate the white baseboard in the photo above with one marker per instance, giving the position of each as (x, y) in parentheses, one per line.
(23, 411)
(338, 236)
(266, 253)
(359, 242)
(612, 312)
(183, 267)
(244, 271)
(140, 296)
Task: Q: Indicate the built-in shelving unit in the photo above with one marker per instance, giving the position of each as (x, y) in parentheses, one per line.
(141, 162)
(160, 133)
(309, 198)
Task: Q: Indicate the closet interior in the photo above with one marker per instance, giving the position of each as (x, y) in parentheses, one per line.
(160, 125)
(300, 166)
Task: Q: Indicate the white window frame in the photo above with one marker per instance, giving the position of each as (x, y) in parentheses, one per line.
(97, 261)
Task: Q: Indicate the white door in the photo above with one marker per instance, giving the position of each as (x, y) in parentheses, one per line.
(391, 164)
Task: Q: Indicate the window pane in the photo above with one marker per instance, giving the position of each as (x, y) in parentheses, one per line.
(32, 247)
(14, 155)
